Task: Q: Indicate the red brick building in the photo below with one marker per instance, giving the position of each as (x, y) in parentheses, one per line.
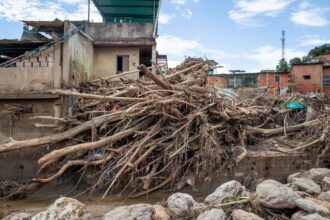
(312, 77)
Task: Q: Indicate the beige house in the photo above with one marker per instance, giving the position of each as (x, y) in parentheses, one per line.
(86, 51)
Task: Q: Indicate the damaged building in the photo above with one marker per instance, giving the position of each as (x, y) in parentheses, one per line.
(60, 54)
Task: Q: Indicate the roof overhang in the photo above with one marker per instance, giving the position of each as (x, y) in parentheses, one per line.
(133, 11)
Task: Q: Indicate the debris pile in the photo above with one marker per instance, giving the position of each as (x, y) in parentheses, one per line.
(149, 134)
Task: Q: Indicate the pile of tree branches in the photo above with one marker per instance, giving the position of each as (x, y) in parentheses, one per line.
(148, 134)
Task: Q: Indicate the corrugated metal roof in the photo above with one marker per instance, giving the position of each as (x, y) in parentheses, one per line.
(135, 11)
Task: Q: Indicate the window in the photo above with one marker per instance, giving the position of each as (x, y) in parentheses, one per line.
(326, 81)
(277, 78)
(122, 64)
(307, 77)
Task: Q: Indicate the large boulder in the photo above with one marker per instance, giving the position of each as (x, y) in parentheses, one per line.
(226, 190)
(273, 194)
(159, 213)
(325, 196)
(313, 216)
(131, 212)
(18, 216)
(298, 215)
(306, 185)
(64, 209)
(318, 174)
(212, 214)
(239, 214)
(312, 207)
(180, 204)
(326, 184)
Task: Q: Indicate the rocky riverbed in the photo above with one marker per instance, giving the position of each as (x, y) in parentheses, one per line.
(305, 196)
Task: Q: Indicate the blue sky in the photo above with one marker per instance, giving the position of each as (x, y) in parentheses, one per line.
(238, 34)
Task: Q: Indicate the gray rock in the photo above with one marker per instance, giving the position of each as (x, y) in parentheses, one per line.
(239, 214)
(64, 209)
(181, 203)
(326, 184)
(212, 214)
(273, 194)
(313, 216)
(18, 216)
(159, 213)
(317, 174)
(226, 190)
(306, 185)
(298, 215)
(131, 212)
(325, 196)
(312, 207)
(301, 174)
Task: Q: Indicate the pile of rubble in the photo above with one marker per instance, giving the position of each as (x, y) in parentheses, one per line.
(149, 134)
(306, 196)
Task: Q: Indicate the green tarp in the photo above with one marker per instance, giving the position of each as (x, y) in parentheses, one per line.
(135, 11)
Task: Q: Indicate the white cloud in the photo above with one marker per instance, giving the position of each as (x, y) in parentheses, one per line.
(177, 48)
(310, 15)
(187, 13)
(72, 1)
(165, 18)
(245, 10)
(313, 40)
(179, 2)
(45, 10)
(267, 56)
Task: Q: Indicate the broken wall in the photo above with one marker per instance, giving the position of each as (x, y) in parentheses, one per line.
(77, 57)
(307, 78)
(33, 74)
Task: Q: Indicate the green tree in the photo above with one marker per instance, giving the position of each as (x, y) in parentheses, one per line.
(282, 66)
(296, 60)
(319, 51)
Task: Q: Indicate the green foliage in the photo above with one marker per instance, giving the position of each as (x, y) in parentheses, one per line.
(319, 51)
(283, 66)
(295, 60)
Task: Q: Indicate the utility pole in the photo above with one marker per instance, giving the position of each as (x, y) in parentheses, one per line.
(89, 10)
(283, 45)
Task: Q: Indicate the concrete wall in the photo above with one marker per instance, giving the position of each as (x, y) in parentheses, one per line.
(77, 58)
(21, 165)
(314, 84)
(120, 31)
(26, 79)
(33, 74)
(105, 60)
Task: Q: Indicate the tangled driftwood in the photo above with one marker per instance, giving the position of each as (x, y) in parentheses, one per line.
(149, 133)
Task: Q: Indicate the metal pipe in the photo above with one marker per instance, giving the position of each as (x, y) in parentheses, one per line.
(89, 10)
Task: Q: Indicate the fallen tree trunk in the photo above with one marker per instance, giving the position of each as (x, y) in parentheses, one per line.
(57, 154)
(92, 96)
(55, 138)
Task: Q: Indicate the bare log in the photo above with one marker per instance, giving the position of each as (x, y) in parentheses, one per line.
(55, 138)
(92, 96)
(57, 154)
(278, 131)
(154, 78)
